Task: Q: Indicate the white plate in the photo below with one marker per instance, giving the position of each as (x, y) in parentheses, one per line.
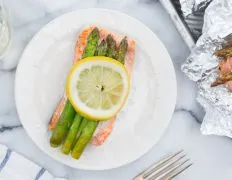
(41, 77)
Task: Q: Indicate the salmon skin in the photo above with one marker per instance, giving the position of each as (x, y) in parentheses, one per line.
(105, 128)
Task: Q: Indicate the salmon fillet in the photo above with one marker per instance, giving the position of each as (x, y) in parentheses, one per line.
(104, 128)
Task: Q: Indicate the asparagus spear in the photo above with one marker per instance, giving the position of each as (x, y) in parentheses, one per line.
(87, 128)
(67, 115)
(101, 49)
(89, 51)
(85, 137)
(92, 42)
(82, 126)
(71, 137)
(88, 131)
(112, 49)
(63, 125)
(122, 49)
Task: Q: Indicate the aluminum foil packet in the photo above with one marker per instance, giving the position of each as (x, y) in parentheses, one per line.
(202, 66)
(190, 6)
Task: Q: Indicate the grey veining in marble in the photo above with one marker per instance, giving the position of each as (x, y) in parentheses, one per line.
(209, 153)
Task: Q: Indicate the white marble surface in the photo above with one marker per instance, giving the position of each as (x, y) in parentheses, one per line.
(210, 154)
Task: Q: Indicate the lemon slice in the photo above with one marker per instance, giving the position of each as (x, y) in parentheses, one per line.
(98, 87)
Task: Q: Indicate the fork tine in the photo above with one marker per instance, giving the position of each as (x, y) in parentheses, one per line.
(174, 170)
(165, 168)
(159, 164)
(178, 171)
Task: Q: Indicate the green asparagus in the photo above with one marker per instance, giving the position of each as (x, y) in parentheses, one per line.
(87, 133)
(82, 126)
(90, 49)
(112, 49)
(63, 125)
(122, 49)
(101, 49)
(71, 137)
(92, 42)
(85, 137)
(78, 132)
(68, 114)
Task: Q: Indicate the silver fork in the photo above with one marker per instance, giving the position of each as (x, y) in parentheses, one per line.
(167, 168)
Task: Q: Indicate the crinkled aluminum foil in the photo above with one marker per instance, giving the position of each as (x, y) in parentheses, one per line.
(190, 6)
(201, 66)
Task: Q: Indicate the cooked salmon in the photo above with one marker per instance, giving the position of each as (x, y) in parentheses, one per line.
(105, 128)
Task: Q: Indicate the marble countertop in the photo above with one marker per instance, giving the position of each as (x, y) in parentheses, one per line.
(210, 154)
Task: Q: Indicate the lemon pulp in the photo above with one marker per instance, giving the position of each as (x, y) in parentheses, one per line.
(97, 87)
